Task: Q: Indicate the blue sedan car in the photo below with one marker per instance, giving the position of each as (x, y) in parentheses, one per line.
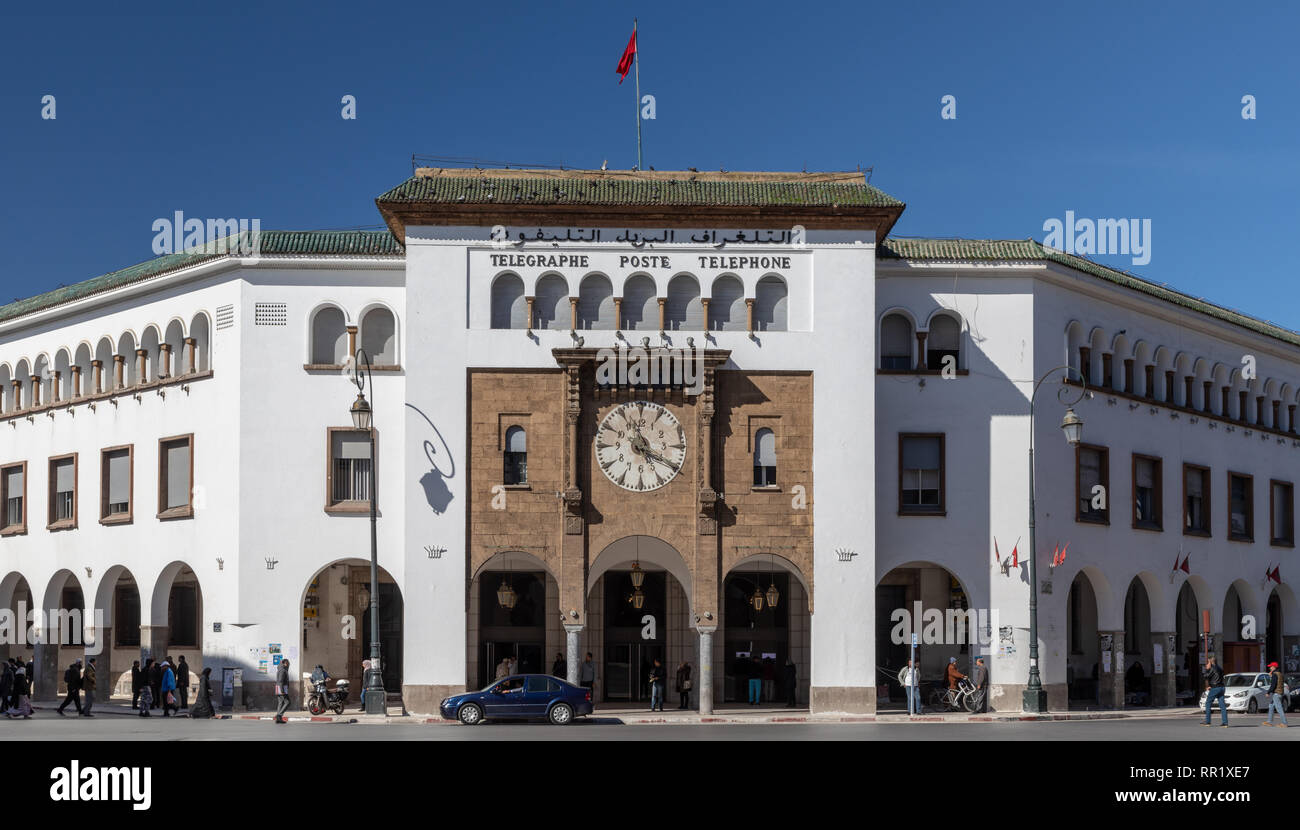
(520, 697)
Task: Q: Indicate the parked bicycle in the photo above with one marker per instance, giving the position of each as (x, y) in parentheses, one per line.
(964, 698)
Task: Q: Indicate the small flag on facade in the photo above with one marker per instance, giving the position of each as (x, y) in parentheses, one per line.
(1276, 574)
(625, 62)
(1184, 567)
(1015, 554)
(997, 555)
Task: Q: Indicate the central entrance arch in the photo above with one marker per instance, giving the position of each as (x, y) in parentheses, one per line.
(638, 610)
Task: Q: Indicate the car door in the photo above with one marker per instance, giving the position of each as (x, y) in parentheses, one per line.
(502, 702)
(1262, 684)
(537, 696)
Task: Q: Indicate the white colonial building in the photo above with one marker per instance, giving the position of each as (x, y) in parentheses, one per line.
(178, 464)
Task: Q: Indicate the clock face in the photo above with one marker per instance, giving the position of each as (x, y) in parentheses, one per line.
(640, 446)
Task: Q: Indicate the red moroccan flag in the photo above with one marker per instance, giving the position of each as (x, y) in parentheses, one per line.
(997, 554)
(625, 62)
(1184, 567)
(1063, 550)
(1276, 575)
(1015, 555)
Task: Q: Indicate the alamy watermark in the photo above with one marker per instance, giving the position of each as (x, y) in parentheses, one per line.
(176, 234)
(948, 626)
(20, 627)
(1118, 237)
(659, 366)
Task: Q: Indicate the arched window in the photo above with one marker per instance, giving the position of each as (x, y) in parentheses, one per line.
(770, 305)
(329, 338)
(683, 311)
(896, 343)
(596, 303)
(640, 306)
(516, 456)
(509, 307)
(379, 336)
(552, 303)
(944, 340)
(727, 308)
(764, 458)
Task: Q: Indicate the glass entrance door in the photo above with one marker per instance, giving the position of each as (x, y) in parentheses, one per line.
(627, 670)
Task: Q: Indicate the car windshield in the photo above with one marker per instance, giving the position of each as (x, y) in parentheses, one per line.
(1241, 680)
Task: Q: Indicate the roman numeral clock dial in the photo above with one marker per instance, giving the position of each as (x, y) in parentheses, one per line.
(640, 446)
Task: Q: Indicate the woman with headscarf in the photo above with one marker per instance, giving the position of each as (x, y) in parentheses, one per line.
(168, 689)
(202, 707)
(22, 692)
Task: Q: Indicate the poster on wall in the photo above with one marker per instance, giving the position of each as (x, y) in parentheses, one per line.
(1105, 662)
(1158, 658)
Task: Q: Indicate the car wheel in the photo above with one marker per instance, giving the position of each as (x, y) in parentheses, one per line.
(470, 714)
(1253, 706)
(561, 713)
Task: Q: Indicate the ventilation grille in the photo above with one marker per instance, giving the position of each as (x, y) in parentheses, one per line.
(225, 317)
(270, 314)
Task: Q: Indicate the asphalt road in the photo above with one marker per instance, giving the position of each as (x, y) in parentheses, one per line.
(129, 728)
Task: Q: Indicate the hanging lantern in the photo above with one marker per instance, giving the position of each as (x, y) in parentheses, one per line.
(506, 595)
(638, 599)
(757, 599)
(773, 595)
(363, 597)
(638, 576)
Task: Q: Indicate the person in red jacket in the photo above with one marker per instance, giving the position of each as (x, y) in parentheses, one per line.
(953, 674)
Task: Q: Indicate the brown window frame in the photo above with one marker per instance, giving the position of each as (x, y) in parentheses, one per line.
(941, 509)
(1287, 541)
(1105, 483)
(20, 528)
(51, 522)
(187, 510)
(1157, 494)
(347, 507)
(1206, 499)
(129, 515)
(1250, 508)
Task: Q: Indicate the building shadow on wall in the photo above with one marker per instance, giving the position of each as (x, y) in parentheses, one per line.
(442, 467)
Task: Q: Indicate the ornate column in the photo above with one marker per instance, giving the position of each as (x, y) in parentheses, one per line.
(36, 390)
(190, 362)
(165, 360)
(1107, 370)
(920, 349)
(662, 302)
(141, 366)
(706, 669)
(1187, 392)
(76, 381)
(1164, 684)
(618, 313)
(352, 340)
(55, 395)
(1290, 408)
(1277, 414)
(704, 303)
(530, 313)
(119, 366)
(1169, 386)
(18, 394)
(749, 314)
(1111, 683)
(571, 649)
(1206, 387)
(98, 366)
(1085, 363)
(1259, 410)
(1128, 375)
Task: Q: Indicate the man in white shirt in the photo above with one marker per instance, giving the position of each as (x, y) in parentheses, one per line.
(910, 678)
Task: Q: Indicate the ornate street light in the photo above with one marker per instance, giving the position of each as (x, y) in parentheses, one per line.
(773, 595)
(637, 599)
(363, 419)
(638, 575)
(756, 599)
(1035, 696)
(506, 596)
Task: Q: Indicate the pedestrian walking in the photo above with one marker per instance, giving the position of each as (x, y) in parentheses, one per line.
(146, 700)
(1214, 689)
(560, 668)
(10, 700)
(658, 686)
(168, 688)
(88, 686)
(183, 682)
(136, 684)
(587, 673)
(981, 681)
(684, 684)
(203, 702)
(22, 696)
(790, 681)
(72, 679)
(282, 691)
(911, 682)
(155, 682)
(1276, 695)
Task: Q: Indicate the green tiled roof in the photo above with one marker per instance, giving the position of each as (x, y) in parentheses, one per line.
(1004, 250)
(634, 191)
(272, 243)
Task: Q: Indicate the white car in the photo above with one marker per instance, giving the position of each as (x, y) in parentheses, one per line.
(1244, 692)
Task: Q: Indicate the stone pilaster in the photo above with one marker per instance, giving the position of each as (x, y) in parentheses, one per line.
(45, 662)
(153, 642)
(571, 652)
(1164, 685)
(706, 669)
(1111, 682)
(99, 644)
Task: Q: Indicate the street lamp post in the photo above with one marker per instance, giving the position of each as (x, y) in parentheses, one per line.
(1035, 696)
(363, 418)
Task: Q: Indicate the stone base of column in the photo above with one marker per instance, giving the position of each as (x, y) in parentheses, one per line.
(45, 662)
(1164, 685)
(855, 700)
(424, 699)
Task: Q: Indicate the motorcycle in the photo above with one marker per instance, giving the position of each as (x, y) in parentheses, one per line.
(323, 698)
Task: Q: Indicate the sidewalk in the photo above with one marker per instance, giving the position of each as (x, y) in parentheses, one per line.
(723, 715)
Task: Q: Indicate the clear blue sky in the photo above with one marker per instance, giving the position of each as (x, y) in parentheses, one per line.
(1108, 109)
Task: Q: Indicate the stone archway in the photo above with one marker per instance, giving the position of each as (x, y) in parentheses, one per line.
(513, 613)
(943, 633)
(759, 637)
(630, 625)
(16, 606)
(117, 598)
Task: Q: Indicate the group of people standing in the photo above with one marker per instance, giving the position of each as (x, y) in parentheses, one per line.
(158, 684)
(910, 679)
(153, 685)
(759, 678)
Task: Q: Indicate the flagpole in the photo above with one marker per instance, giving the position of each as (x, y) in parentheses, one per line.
(636, 63)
